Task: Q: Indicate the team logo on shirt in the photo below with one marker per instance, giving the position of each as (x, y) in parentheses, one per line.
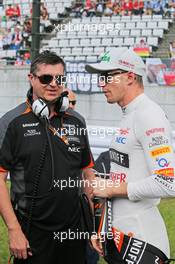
(32, 132)
(155, 130)
(118, 238)
(162, 162)
(30, 124)
(166, 181)
(119, 158)
(156, 141)
(135, 250)
(120, 140)
(74, 149)
(166, 172)
(118, 177)
(73, 139)
(124, 131)
(160, 151)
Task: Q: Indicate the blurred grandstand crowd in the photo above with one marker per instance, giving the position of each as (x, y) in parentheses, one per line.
(16, 25)
(124, 7)
(15, 31)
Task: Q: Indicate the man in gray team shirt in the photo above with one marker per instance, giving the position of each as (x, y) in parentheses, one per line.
(141, 153)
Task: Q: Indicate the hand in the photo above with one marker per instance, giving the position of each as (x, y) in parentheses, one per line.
(96, 243)
(104, 188)
(18, 244)
(87, 188)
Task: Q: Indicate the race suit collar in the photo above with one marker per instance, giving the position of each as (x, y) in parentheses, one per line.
(133, 104)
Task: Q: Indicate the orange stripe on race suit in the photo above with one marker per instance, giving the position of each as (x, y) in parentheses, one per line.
(101, 221)
(28, 109)
(118, 238)
(91, 165)
(3, 170)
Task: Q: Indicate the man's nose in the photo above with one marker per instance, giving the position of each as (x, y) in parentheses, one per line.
(102, 85)
(53, 82)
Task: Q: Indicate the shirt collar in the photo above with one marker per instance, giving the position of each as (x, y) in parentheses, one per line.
(133, 104)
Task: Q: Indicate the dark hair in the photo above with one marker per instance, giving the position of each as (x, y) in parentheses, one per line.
(139, 80)
(46, 57)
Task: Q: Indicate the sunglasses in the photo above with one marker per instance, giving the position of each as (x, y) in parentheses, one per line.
(73, 102)
(47, 79)
(106, 77)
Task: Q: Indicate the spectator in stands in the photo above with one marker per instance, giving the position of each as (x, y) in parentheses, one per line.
(172, 66)
(91, 11)
(28, 24)
(26, 32)
(27, 58)
(148, 8)
(127, 7)
(2, 12)
(99, 8)
(109, 4)
(117, 8)
(7, 40)
(172, 3)
(157, 8)
(77, 9)
(136, 10)
(141, 7)
(43, 12)
(172, 49)
(72, 98)
(10, 12)
(23, 59)
(1, 42)
(172, 7)
(108, 11)
(17, 38)
(17, 11)
(167, 10)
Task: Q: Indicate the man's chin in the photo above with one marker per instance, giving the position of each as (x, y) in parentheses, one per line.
(51, 98)
(110, 101)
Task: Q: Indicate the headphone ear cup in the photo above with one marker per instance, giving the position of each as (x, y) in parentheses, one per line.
(40, 108)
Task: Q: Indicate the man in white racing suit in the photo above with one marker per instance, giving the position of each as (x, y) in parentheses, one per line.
(141, 153)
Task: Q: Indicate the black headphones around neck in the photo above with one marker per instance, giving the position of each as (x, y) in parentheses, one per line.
(41, 108)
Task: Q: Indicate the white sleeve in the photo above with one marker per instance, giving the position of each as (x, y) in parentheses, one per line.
(153, 132)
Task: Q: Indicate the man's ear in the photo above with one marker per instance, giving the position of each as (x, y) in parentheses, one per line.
(131, 77)
(30, 76)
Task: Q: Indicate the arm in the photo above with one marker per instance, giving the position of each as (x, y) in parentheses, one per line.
(152, 130)
(108, 188)
(18, 243)
(88, 178)
(154, 134)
